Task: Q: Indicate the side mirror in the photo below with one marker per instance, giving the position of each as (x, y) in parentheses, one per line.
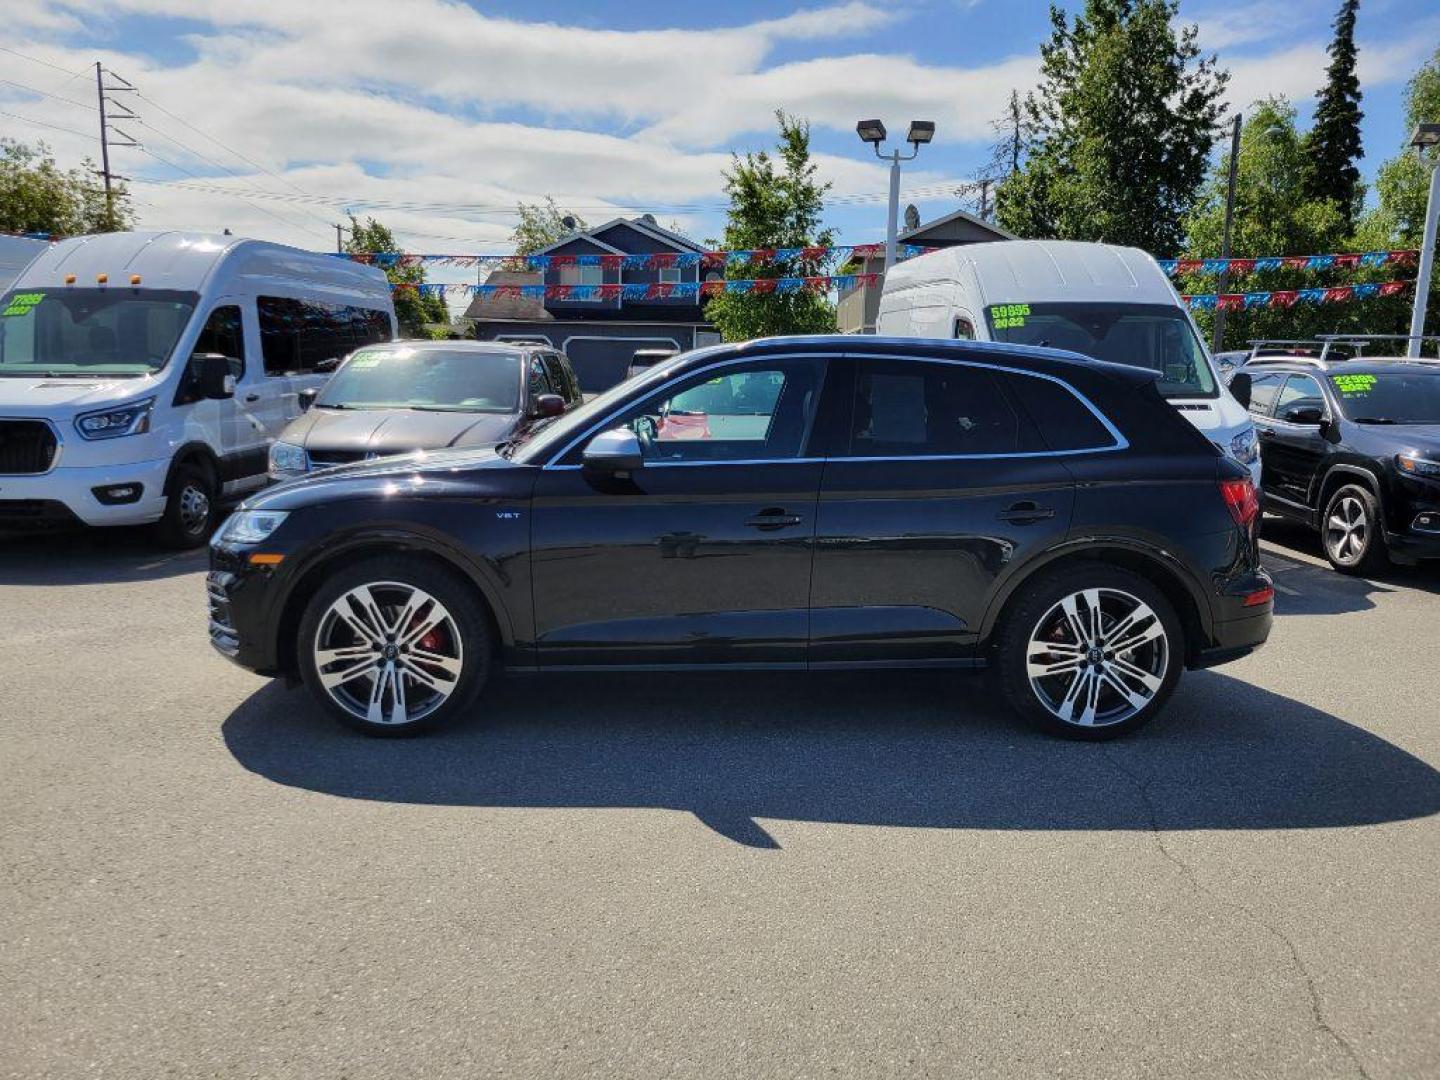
(614, 451)
(1240, 388)
(1303, 414)
(213, 380)
(307, 397)
(549, 405)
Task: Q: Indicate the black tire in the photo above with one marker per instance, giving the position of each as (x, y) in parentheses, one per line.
(469, 626)
(1036, 609)
(192, 508)
(1352, 531)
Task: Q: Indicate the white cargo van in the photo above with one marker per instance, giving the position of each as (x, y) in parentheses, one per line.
(143, 375)
(1112, 303)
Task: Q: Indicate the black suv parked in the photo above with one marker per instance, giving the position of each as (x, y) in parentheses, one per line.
(795, 502)
(1352, 449)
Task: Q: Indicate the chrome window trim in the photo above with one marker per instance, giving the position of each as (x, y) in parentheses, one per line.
(1119, 443)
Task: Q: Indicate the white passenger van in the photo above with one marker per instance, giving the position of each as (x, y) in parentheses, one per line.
(143, 375)
(1111, 303)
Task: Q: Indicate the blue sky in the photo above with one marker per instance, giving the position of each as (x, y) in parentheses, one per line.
(272, 117)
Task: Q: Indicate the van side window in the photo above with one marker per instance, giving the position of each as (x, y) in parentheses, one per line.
(224, 333)
(300, 336)
(909, 409)
(1063, 420)
(964, 329)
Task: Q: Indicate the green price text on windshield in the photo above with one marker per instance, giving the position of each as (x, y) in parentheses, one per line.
(1007, 316)
(1354, 384)
(22, 304)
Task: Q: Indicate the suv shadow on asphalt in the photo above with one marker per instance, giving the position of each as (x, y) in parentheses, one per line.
(915, 750)
(1304, 588)
(92, 557)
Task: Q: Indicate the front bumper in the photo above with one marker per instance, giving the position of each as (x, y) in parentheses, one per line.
(73, 489)
(243, 602)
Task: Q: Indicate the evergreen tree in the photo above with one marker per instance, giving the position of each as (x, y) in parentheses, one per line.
(1334, 141)
(775, 202)
(414, 308)
(1122, 127)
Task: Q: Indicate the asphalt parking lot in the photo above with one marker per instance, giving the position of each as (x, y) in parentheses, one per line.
(701, 877)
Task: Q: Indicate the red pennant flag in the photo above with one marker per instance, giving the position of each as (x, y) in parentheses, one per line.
(612, 262)
(660, 290)
(611, 291)
(562, 260)
(1230, 301)
(1350, 260)
(763, 285)
(1390, 288)
(1242, 266)
(712, 288)
(1338, 294)
(713, 258)
(1284, 298)
(814, 252)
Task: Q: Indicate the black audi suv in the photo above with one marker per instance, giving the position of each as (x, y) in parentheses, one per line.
(1351, 448)
(825, 502)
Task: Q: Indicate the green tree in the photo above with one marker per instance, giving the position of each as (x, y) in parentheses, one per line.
(1274, 215)
(542, 224)
(413, 307)
(1334, 140)
(1398, 219)
(36, 195)
(775, 202)
(1122, 126)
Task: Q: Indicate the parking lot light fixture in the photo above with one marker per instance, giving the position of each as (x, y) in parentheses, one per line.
(1426, 140)
(873, 132)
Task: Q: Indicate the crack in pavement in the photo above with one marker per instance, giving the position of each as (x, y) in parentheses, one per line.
(1143, 789)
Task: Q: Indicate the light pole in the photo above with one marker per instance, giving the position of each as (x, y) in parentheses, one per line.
(1426, 137)
(1224, 281)
(873, 132)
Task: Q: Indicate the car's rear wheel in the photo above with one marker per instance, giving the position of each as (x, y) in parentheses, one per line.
(394, 646)
(1090, 652)
(1352, 532)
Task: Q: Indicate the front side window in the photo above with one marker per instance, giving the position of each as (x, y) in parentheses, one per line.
(224, 334)
(906, 408)
(1263, 389)
(760, 412)
(559, 377)
(539, 381)
(1408, 397)
(119, 331)
(427, 379)
(1299, 392)
(1154, 336)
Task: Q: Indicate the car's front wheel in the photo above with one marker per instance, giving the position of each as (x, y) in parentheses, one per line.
(1090, 652)
(394, 645)
(1352, 532)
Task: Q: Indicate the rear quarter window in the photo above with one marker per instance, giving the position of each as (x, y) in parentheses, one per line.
(1063, 420)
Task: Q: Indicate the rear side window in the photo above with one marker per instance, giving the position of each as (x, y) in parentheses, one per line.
(918, 409)
(300, 336)
(1064, 422)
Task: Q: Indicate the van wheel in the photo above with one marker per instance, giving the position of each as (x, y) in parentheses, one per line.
(394, 646)
(191, 510)
(1091, 652)
(1353, 533)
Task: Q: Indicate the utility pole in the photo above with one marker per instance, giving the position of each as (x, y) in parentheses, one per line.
(107, 103)
(339, 243)
(1426, 137)
(1224, 280)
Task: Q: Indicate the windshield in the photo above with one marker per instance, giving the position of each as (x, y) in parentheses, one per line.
(456, 380)
(1154, 336)
(90, 331)
(1401, 397)
(542, 444)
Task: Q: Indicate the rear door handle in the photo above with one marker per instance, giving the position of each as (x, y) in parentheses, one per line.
(1025, 513)
(1267, 433)
(773, 518)
(252, 398)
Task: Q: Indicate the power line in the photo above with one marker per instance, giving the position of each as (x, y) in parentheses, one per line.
(48, 94)
(42, 123)
(43, 63)
(187, 172)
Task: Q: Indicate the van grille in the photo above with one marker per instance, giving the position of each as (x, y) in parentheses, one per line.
(26, 447)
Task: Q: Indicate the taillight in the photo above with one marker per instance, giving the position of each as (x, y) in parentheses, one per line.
(1244, 503)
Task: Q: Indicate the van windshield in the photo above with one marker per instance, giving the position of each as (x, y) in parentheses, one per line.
(1154, 336)
(119, 331)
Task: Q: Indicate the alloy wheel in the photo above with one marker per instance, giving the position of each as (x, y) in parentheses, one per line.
(1347, 530)
(1097, 657)
(388, 653)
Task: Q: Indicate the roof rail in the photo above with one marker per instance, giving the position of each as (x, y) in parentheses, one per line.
(1255, 361)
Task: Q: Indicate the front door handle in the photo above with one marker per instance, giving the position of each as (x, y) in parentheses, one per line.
(1267, 433)
(773, 518)
(1025, 513)
(252, 398)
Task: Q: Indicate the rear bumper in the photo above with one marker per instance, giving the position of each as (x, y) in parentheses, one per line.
(1234, 638)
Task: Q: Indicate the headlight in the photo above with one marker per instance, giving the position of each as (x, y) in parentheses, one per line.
(131, 419)
(1417, 466)
(1245, 447)
(287, 458)
(250, 526)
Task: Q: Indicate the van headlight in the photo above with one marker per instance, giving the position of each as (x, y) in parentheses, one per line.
(1245, 447)
(132, 419)
(249, 526)
(287, 459)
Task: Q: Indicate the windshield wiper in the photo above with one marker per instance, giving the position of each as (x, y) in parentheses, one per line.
(330, 405)
(1374, 420)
